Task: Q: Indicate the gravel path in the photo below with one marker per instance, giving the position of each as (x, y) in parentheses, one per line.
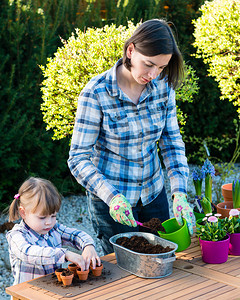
(74, 213)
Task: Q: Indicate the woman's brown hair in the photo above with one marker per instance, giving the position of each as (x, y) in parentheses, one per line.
(152, 38)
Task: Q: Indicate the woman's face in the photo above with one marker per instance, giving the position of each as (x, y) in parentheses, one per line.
(145, 68)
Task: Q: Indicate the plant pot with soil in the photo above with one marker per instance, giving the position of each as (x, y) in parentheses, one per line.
(67, 277)
(73, 268)
(58, 272)
(82, 274)
(97, 271)
(224, 208)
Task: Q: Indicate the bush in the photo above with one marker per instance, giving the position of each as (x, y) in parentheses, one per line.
(217, 41)
(83, 56)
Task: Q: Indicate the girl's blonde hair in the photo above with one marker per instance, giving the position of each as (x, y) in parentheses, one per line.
(34, 192)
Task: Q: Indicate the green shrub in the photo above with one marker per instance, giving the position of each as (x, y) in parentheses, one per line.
(83, 56)
(217, 41)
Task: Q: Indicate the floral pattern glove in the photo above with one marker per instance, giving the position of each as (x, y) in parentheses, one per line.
(121, 211)
(181, 208)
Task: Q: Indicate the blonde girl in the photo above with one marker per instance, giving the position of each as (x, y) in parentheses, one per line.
(36, 243)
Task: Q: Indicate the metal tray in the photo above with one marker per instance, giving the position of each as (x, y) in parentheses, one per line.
(145, 265)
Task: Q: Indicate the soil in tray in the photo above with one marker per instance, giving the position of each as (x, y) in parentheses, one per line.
(141, 245)
(155, 225)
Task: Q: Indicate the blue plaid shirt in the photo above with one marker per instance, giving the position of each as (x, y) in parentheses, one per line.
(33, 255)
(114, 145)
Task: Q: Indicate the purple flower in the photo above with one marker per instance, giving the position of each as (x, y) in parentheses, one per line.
(179, 208)
(208, 168)
(213, 219)
(127, 213)
(116, 207)
(197, 174)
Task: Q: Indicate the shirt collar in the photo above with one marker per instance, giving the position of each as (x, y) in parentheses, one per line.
(36, 236)
(111, 81)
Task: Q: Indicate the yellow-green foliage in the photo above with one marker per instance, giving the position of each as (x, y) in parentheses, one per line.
(84, 55)
(217, 39)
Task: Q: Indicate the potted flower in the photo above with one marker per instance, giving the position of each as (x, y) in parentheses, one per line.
(224, 207)
(232, 226)
(214, 240)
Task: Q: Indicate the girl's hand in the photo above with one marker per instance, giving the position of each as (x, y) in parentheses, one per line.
(76, 259)
(90, 255)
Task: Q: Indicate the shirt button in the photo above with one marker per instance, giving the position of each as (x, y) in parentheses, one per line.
(141, 166)
(140, 184)
(139, 150)
(140, 134)
(137, 113)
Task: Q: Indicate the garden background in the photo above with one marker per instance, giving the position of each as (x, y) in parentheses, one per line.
(31, 31)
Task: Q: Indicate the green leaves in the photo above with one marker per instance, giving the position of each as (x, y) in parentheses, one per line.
(236, 193)
(217, 41)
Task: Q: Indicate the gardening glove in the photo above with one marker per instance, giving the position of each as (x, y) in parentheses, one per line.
(121, 211)
(181, 208)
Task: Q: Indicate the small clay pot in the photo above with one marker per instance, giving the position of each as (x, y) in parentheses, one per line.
(227, 192)
(224, 208)
(97, 271)
(58, 272)
(73, 268)
(67, 277)
(82, 275)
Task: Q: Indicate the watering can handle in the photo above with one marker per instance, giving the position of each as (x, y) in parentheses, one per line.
(166, 260)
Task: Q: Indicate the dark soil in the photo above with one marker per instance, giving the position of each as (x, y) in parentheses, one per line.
(155, 224)
(67, 272)
(141, 245)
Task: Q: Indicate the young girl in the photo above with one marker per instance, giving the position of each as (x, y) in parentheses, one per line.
(123, 116)
(36, 244)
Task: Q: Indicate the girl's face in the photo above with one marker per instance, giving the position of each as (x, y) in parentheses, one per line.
(145, 68)
(39, 223)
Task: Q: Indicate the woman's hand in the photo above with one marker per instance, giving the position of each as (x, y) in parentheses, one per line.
(121, 211)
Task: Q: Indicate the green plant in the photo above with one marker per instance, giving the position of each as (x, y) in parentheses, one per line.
(232, 223)
(218, 43)
(84, 55)
(212, 230)
(236, 193)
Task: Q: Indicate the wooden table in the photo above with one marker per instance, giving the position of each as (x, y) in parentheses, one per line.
(191, 279)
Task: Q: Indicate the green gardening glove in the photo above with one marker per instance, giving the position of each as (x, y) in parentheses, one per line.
(121, 211)
(181, 208)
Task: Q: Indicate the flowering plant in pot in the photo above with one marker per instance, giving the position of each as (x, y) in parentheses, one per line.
(203, 204)
(232, 226)
(213, 239)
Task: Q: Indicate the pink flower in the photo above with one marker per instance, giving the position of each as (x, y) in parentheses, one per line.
(213, 219)
(116, 207)
(179, 208)
(234, 212)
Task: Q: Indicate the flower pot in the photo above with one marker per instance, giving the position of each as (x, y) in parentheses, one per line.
(176, 233)
(82, 275)
(224, 208)
(73, 268)
(227, 192)
(58, 272)
(199, 223)
(234, 245)
(215, 252)
(97, 271)
(198, 215)
(67, 277)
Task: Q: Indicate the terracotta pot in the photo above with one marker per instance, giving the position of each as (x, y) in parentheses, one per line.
(224, 208)
(215, 252)
(97, 271)
(58, 272)
(82, 275)
(227, 192)
(67, 280)
(73, 268)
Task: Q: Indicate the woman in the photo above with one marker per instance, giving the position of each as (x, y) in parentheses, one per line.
(122, 114)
